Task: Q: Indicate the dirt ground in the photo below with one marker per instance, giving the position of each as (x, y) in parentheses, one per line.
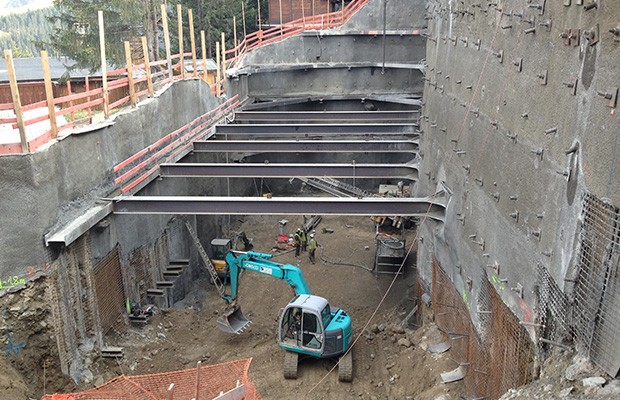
(389, 361)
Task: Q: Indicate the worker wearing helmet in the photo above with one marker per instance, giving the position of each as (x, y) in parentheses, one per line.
(312, 245)
(297, 239)
(304, 240)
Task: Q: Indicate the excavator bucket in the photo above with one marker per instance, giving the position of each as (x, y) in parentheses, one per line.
(233, 321)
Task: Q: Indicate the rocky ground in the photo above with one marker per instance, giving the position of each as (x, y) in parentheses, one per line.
(391, 361)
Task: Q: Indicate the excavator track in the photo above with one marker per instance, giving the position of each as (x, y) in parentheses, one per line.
(345, 368)
(291, 360)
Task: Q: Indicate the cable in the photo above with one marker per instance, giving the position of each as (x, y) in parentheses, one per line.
(338, 262)
(426, 216)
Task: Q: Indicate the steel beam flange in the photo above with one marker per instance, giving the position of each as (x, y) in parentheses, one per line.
(256, 170)
(185, 205)
(306, 146)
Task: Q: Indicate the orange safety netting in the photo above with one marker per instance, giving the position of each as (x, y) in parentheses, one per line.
(211, 380)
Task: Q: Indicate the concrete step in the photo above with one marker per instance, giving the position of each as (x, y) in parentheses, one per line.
(154, 292)
(171, 274)
(138, 319)
(111, 352)
(184, 262)
(164, 284)
(174, 267)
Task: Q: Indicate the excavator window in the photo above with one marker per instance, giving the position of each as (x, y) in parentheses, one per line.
(311, 329)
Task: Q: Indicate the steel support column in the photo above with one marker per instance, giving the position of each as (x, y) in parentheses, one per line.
(421, 207)
(307, 146)
(243, 170)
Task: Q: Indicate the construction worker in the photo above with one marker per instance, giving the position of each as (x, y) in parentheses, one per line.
(312, 245)
(304, 240)
(297, 239)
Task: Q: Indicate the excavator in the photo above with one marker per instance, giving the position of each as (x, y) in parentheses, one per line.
(308, 325)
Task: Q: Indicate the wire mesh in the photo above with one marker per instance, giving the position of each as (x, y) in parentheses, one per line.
(597, 292)
(210, 381)
(500, 359)
(554, 307)
(109, 289)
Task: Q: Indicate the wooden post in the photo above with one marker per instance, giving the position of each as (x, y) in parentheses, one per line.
(260, 22)
(205, 73)
(245, 33)
(170, 392)
(147, 67)
(90, 110)
(342, 11)
(192, 40)
(197, 391)
(132, 87)
(303, 14)
(235, 35)
(164, 19)
(180, 22)
(69, 93)
(17, 104)
(223, 62)
(313, 8)
(218, 77)
(49, 93)
(104, 68)
(281, 33)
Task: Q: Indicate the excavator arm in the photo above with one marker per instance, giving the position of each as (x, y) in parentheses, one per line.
(233, 320)
(259, 262)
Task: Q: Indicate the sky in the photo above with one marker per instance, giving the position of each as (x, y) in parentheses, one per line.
(6, 8)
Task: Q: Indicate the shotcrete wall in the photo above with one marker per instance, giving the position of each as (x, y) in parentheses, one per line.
(342, 62)
(516, 143)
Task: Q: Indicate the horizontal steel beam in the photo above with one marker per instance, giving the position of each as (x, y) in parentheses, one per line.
(246, 170)
(307, 146)
(405, 206)
(283, 117)
(309, 129)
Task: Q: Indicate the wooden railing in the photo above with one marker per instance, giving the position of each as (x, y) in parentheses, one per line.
(134, 82)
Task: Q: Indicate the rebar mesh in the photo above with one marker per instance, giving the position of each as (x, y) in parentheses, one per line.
(597, 291)
(554, 307)
(109, 288)
(499, 360)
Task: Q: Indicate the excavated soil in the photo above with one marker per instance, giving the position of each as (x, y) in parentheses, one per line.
(389, 361)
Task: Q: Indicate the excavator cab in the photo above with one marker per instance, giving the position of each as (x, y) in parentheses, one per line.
(309, 326)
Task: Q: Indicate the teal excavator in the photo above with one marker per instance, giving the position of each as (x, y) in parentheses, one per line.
(308, 325)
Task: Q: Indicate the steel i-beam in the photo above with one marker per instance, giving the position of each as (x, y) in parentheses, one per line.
(307, 146)
(314, 129)
(280, 117)
(182, 205)
(246, 170)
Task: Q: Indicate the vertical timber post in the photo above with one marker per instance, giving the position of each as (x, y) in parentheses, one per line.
(131, 83)
(280, 2)
(104, 68)
(245, 32)
(203, 47)
(197, 390)
(17, 103)
(192, 40)
(342, 13)
(218, 75)
(260, 22)
(235, 35)
(49, 94)
(147, 67)
(303, 14)
(180, 23)
(164, 18)
(69, 93)
(223, 62)
(90, 110)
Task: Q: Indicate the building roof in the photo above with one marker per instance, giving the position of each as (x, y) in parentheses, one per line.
(31, 69)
